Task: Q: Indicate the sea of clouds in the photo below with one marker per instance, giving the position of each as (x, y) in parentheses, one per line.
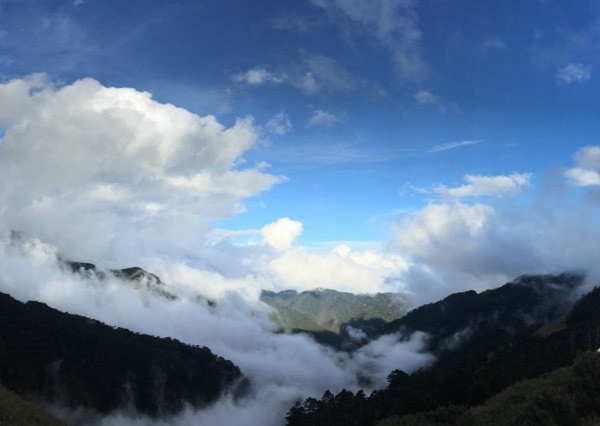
(110, 176)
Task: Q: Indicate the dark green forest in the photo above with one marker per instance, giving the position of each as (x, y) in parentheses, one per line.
(567, 396)
(484, 343)
(15, 411)
(74, 361)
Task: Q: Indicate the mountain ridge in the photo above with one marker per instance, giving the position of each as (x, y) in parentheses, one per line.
(79, 362)
(503, 347)
(330, 310)
(136, 277)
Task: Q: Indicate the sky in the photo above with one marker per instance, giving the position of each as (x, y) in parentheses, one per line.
(355, 100)
(415, 146)
(370, 131)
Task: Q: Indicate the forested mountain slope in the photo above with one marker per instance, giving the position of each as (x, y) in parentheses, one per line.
(483, 343)
(78, 362)
(15, 411)
(565, 396)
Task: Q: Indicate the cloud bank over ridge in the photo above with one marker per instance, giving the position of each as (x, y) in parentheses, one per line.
(111, 176)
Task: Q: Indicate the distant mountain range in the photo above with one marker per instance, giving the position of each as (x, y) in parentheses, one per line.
(330, 310)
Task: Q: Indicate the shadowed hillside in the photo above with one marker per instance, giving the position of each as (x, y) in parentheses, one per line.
(78, 362)
(15, 411)
(566, 396)
(484, 343)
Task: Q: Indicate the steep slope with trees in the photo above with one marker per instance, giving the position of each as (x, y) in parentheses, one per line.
(484, 343)
(78, 362)
(566, 396)
(15, 411)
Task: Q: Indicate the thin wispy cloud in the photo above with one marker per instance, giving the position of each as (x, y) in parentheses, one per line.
(323, 118)
(334, 153)
(428, 98)
(394, 23)
(574, 73)
(480, 186)
(280, 124)
(453, 145)
(258, 75)
(425, 97)
(310, 74)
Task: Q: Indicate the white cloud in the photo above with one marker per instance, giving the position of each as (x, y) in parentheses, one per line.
(280, 124)
(94, 158)
(425, 97)
(259, 75)
(341, 268)
(322, 118)
(237, 327)
(586, 173)
(310, 73)
(316, 73)
(574, 73)
(455, 247)
(393, 22)
(452, 145)
(282, 234)
(477, 186)
(391, 352)
(353, 267)
(442, 223)
(588, 156)
(110, 193)
(583, 177)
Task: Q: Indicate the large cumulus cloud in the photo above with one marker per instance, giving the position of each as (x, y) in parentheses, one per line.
(455, 245)
(114, 168)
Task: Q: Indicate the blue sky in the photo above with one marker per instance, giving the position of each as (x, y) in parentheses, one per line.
(363, 105)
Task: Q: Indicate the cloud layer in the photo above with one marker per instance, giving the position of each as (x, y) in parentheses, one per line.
(111, 167)
(282, 368)
(111, 176)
